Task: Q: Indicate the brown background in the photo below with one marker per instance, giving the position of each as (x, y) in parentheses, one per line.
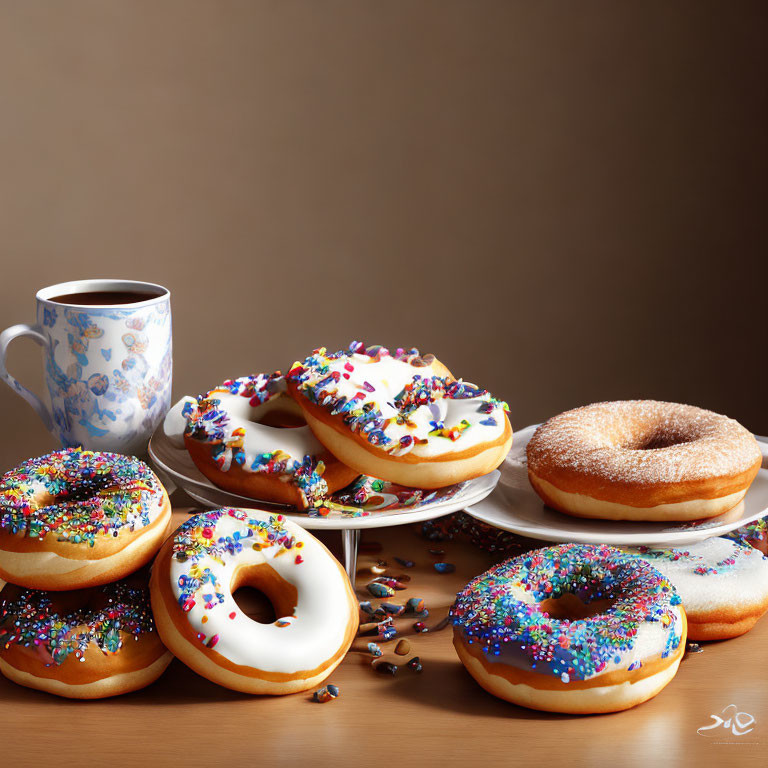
(564, 201)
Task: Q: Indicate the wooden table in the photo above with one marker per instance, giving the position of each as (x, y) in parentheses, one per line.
(440, 716)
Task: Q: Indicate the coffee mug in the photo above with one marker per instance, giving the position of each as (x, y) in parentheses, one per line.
(107, 362)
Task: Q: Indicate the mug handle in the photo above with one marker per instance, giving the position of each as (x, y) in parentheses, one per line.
(6, 337)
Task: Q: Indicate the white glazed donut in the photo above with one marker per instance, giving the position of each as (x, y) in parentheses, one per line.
(723, 585)
(248, 437)
(400, 417)
(214, 553)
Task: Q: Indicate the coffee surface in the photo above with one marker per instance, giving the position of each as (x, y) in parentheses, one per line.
(93, 298)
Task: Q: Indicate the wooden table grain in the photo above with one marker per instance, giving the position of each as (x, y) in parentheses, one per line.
(438, 717)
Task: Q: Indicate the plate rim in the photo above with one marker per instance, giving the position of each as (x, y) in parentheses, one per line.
(549, 534)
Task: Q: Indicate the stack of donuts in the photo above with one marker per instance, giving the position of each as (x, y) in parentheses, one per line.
(294, 439)
(589, 628)
(80, 618)
(77, 530)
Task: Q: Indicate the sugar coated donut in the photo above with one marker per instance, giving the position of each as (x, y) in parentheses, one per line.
(74, 519)
(85, 644)
(213, 554)
(642, 460)
(248, 437)
(400, 417)
(572, 628)
(723, 585)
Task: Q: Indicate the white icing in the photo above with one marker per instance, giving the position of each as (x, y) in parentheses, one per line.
(242, 427)
(745, 582)
(317, 628)
(388, 376)
(297, 442)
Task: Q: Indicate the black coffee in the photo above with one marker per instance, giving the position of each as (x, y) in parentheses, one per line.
(92, 298)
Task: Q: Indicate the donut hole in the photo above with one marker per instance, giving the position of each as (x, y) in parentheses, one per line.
(262, 594)
(281, 412)
(657, 437)
(255, 605)
(282, 420)
(570, 607)
(81, 490)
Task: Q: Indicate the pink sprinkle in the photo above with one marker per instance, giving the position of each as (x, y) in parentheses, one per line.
(213, 641)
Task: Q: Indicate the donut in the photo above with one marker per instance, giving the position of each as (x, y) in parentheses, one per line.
(642, 460)
(754, 534)
(573, 628)
(400, 417)
(209, 558)
(84, 644)
(75, 519)
(723, 585)
(248, 437)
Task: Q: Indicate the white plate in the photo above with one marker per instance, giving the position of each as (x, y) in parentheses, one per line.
(177, 464)
(515, 506)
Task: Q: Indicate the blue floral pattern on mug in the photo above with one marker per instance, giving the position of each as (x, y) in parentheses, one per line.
(49, 316)
(109, 373)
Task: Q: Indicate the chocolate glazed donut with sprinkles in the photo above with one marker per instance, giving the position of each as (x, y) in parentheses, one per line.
(75, 519)
(400, 416)
(85, 644)
(209, 558)
(573, 628)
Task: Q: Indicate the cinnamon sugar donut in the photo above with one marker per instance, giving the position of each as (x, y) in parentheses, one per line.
(642, 460)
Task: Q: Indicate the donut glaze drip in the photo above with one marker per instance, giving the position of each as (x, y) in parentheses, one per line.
(501, 611)
(643, 442)
(399, 404)
(30, 618)
(78, 495)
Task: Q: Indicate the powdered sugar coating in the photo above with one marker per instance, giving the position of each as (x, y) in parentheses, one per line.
(643, 442)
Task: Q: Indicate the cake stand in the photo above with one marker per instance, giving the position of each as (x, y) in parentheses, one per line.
(175, 467)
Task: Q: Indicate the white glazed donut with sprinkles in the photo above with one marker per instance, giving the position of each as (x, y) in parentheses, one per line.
(213, 554)
(400, 416)
(249, 437)
(572, 628)
(723, 585)
(75, 518)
